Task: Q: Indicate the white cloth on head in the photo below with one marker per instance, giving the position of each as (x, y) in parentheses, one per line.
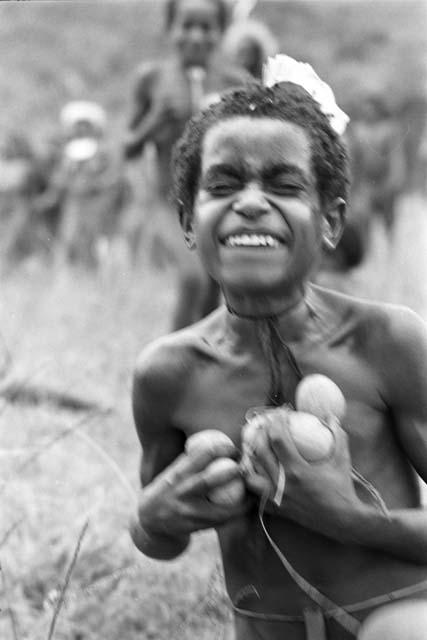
(83, 111)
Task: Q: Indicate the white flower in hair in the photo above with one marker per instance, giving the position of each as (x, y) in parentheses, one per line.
(283, 68)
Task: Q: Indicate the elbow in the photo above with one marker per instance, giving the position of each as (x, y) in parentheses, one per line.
(156, 546)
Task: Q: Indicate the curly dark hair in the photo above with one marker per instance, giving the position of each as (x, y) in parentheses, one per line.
(223, 13)
(285, 101)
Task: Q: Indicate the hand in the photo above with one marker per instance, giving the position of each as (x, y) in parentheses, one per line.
(176, 502)
(318, 495)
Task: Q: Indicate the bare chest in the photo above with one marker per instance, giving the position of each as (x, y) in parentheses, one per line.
(221, 393)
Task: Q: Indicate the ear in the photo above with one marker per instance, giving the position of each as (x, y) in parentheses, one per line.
(333, 220)
(187, 227)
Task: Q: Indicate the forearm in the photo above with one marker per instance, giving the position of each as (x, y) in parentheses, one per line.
(403, 533)
(155, 545)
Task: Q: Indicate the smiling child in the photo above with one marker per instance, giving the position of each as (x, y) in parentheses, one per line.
(261, 183)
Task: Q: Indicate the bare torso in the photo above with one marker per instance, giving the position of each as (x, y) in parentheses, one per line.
(221, 379)
(213, 373)
(168, 101)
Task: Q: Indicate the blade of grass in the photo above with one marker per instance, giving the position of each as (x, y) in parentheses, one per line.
(63, 434)
(9, 532)
(109, 460)
(10, 612)
(64, 588)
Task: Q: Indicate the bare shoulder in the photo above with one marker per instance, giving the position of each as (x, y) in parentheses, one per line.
(384, 322)
(162, 364)
(168, 362)
(391, 338)
(147, 69)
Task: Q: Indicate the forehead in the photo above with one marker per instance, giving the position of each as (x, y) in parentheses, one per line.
(196, 10)
(257, 142)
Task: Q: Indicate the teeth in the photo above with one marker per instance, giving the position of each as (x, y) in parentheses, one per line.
(251, 240)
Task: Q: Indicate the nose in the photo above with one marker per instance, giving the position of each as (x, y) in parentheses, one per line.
(251, 202)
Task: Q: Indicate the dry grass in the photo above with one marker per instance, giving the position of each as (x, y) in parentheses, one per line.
(59, 469)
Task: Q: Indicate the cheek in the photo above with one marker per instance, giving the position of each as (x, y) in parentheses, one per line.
(205, 227)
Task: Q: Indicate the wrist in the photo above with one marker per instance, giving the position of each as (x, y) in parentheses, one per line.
(157, 545)
(361, 523)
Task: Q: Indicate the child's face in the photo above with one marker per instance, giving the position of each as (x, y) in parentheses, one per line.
(195, 30)
(257, 219)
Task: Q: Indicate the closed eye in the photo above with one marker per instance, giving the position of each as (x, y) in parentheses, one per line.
(284, 188)
(221, 186)
(223, 189)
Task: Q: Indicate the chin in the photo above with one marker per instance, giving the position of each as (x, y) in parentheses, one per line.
(258, 280)
(254, 287)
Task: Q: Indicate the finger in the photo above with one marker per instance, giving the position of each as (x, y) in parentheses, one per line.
(281, 441)
(262, 458)
(254, 436)
(212, 477)
(174, 472)
(188, 465)
(204, 514)
(260, 485)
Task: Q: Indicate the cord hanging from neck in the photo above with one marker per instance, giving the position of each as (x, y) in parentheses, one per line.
(282, 382)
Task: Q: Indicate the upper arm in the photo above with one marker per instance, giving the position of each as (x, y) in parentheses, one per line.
(154, 396)
(407, 386)
(142, 94)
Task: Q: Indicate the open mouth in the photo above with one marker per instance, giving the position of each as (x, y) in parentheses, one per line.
(257, 240)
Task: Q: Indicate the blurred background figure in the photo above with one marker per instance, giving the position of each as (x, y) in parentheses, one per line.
(248, 43)
(21, 180)
(166, 94)
(378, 177)
(377, 163)
(88, 185)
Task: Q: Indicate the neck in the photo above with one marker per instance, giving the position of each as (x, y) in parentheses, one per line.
(291, 314)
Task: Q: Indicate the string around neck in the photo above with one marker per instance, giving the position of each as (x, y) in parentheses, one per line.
(267, 316)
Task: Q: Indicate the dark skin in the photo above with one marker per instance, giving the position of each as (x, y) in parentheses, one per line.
(256, 178)
(166, 95)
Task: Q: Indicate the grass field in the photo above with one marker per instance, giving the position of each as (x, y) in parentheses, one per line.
(60, 469)
(68, 478)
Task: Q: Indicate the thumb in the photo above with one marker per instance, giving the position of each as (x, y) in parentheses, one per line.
(280, 437)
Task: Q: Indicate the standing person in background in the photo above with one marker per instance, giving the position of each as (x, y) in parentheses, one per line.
(166, 94)
(377, 162)
(378, 168)
(20, 183)
(90, 184)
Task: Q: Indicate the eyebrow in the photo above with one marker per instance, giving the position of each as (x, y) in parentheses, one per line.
(269, 173)
(290, 170)
(224, 168)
